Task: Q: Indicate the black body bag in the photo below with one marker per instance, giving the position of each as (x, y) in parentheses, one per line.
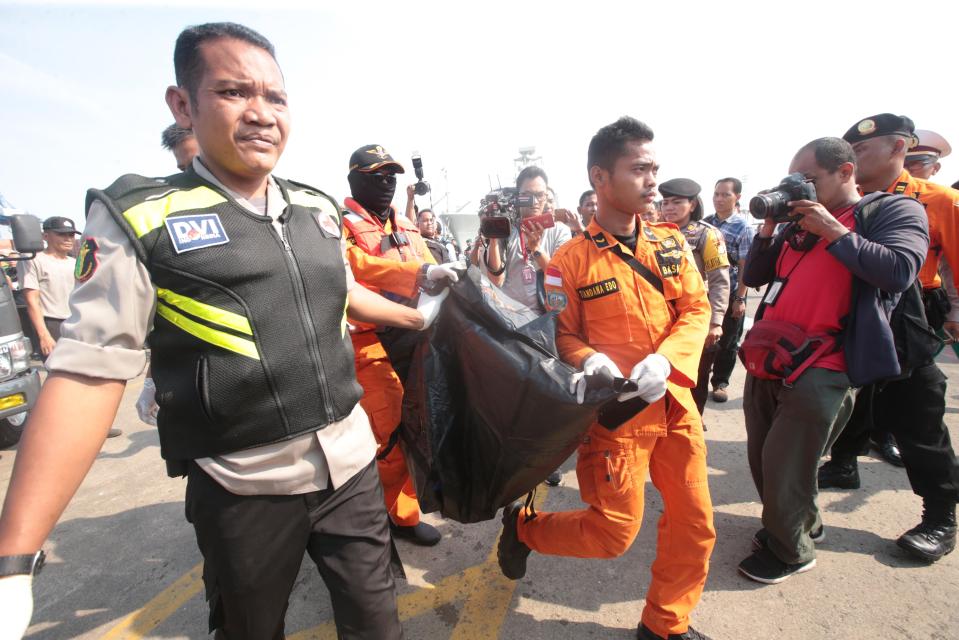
(487, 412)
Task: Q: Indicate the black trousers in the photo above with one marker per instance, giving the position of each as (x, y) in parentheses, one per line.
(728, 350)
(253, 546)
(912, 410)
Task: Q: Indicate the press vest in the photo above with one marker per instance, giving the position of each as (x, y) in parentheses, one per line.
(249, 343)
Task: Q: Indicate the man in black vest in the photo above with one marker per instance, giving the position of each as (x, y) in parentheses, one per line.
(251, 359)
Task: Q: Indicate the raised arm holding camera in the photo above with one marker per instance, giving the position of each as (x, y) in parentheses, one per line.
(833, 272)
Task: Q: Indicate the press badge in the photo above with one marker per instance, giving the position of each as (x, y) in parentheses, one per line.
(529, 275)
(775, 288)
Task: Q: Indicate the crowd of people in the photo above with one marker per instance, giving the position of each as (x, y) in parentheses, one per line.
(286, 424)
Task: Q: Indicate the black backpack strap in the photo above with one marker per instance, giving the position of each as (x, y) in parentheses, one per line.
(635, 264)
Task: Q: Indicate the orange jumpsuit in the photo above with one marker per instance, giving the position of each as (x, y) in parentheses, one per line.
(392, 270)
(605, 306)
(942, 208)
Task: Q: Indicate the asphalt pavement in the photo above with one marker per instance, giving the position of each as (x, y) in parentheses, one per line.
(123, 562)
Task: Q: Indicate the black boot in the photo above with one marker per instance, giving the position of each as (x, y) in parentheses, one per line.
(935, 536)
(839, 473)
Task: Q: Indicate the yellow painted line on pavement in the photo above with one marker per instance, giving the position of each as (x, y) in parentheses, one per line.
(149, 616)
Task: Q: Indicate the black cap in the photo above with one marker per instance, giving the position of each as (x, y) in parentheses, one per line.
(883, 124)
(680, 188)
(59, 224)
(371, 157)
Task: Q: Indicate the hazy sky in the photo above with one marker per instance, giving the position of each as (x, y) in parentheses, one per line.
(729, 88)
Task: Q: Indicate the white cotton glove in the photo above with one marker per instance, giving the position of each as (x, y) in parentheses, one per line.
(16, 606)
(592, 364)
(147, 407)
(429, 306)
(650, 377)
(436, 272)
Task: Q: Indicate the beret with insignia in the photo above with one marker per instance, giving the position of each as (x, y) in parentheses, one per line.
(883, 124)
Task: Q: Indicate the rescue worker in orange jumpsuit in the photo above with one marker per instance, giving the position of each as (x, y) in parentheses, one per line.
(387, 255)
(630, 298)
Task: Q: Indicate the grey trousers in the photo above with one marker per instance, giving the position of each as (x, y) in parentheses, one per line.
(788, 429)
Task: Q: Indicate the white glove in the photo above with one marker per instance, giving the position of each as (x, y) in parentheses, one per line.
(16, 606)
(592, 364)
(147, 407)
(650, 376)
(436, 272)
(429, 306)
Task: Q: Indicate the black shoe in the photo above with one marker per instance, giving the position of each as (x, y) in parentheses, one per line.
(761, 537)
(554, 479)
(839, 473)
(425, 535)
(935, 536)
(720, 394)
(643, 633)
(511, 552)
(114, 432)
(888, 449)
(763, 566)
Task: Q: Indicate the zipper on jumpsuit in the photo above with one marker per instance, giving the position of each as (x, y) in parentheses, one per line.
(300, 298)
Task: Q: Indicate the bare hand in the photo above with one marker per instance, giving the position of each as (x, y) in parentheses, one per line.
(715, 333)
(47, 343)
(951, 329)
(532, 236)
(738, 310)
(410, 191)
(815, 219)
(570, 218)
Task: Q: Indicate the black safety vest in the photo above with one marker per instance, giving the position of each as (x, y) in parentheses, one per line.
(249, 343)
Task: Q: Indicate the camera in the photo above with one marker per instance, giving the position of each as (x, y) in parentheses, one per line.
(771, 203)
(500, 208)
(421, 187)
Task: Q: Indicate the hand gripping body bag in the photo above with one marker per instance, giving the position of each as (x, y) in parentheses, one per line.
(487, 411)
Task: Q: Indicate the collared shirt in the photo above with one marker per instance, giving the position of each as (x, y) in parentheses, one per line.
(53, 278)
(111, 314)
(519, 281)
(738, 233)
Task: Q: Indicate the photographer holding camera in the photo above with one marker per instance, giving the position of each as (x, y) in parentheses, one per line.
(515, 263)
(834, 272)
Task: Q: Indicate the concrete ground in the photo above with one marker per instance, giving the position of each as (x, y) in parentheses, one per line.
(123, 562)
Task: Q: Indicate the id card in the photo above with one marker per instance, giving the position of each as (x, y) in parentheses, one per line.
(529, 275)
(775, 288)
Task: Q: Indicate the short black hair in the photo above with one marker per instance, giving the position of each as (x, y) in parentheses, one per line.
(187, 59)
(584, 195)
(736, 182)
(831, 153)
(420, 212)
(174, 135)
(609, 143)
(531, 173)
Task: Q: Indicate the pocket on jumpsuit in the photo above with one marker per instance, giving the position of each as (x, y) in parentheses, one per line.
(606, 482)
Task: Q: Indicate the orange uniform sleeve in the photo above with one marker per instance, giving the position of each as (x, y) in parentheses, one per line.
(683, 347)
(559, 279)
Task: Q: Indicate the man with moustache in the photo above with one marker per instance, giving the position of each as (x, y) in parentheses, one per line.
(630, 299)
(239, 280)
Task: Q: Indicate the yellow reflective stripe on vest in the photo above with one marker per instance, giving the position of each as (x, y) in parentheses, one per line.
(149, 215)
(221, 339)
(207, 312)
(307, 199)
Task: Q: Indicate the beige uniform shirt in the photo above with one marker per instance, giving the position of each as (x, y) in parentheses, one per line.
(111, 314)
(53, 278)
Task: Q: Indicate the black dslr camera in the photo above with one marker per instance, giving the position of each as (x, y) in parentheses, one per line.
(771, 203)
(422, 187)
(499, 209)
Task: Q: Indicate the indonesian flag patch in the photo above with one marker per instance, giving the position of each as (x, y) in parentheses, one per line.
(554, 277)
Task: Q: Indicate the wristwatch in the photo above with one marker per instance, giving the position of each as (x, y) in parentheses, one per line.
(740, 299)
(537, 254)
(26, 565)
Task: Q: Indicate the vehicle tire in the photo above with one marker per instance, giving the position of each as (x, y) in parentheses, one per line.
(11, 428)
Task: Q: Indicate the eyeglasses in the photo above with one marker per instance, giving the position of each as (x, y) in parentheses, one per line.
(385, 178)
(539, 195)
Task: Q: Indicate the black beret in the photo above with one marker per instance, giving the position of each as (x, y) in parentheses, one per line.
(883, 124)
(680, 188)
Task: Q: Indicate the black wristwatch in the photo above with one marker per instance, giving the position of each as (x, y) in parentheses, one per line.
(739, 299)
(26, 565)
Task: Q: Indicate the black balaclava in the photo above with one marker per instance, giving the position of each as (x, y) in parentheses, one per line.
(373, 191)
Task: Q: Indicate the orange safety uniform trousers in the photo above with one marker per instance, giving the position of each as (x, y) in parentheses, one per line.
(611, 468)
(383, 403)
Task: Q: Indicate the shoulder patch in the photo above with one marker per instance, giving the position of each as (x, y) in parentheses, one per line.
(327, 223)
(556, 300)
(87, 260)
(554, 277)
(190, 233)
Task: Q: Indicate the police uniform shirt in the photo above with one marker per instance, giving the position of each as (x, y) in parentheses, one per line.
(53, 278)
(112, 313)
(709, 252)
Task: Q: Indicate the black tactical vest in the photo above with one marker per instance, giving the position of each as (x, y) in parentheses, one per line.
(249, 343)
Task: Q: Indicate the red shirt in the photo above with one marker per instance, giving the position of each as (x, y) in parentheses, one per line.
(818, 293)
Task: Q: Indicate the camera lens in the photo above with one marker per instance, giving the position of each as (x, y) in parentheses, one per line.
(768, 205)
